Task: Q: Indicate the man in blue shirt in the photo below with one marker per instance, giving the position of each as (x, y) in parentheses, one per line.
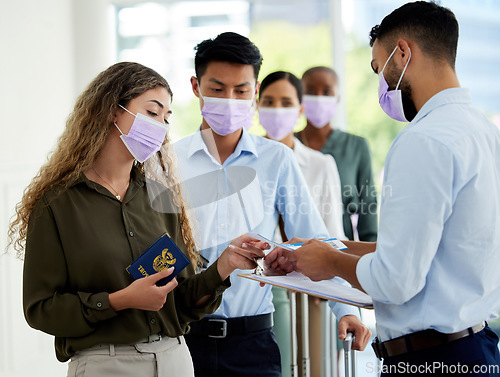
(433, 274)
(235, 183)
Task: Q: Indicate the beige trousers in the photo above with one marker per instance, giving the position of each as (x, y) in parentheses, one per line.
(165, 358)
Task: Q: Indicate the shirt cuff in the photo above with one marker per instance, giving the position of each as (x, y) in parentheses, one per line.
(340, 309)
(214, 285)
(98, 306)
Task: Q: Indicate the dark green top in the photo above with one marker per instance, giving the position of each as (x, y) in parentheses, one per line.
(352, 155)
(79, 244)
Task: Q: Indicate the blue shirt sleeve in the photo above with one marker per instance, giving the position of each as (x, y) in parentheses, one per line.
(416, 201)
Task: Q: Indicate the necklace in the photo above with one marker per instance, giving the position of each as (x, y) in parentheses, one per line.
(117, 195)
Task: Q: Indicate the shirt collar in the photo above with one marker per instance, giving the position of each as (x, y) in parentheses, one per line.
(245, 144)
(299, 150)
(196, 144)
(136, 177)
(444, 97)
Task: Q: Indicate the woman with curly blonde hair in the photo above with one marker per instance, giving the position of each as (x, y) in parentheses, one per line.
(90, 212)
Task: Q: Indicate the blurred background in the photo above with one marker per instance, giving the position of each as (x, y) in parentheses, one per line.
(51, 49)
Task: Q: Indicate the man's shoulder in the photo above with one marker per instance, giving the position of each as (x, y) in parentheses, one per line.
(270, 147)
(449, 127)
(184, 141)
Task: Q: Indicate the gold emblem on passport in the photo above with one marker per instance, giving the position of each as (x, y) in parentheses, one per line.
(164, 260)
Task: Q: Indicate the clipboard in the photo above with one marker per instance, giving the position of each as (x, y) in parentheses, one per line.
(325, 289)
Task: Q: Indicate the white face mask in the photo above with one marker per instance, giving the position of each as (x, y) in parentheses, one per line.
(227, 115)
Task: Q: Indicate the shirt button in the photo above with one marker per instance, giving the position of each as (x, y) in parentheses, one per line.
(153, 321)
(99, 304)
(131, 234)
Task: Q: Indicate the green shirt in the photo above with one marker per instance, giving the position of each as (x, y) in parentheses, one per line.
(79, 244)
(352, 155)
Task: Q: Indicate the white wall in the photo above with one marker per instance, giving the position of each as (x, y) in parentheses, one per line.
(45, 46)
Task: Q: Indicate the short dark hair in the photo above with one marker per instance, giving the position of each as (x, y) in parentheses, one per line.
(432, 26)
(282, 75)
(227, 47)
(319, 69)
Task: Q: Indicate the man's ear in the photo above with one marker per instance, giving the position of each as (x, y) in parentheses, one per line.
(257, 87)
(403, 53)
(195, 86)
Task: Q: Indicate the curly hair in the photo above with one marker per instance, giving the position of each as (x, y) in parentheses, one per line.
(87, 128)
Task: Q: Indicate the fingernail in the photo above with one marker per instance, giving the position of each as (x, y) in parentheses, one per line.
(231, 246)
(244, 245)
(171, 268)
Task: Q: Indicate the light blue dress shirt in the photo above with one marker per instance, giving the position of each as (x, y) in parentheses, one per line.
(256, 183)
(438, 252)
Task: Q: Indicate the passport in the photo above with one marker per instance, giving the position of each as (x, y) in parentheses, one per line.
(163, 253)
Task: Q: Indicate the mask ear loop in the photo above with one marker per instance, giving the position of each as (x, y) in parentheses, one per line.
(404, 70)
(118, 128)
(127, 112)
(389, 58)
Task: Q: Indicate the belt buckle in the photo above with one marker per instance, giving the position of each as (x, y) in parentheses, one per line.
(377, 348)
(222, 329)
(154, 338)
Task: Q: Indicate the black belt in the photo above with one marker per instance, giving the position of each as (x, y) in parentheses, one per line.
(419, 341)
(222, 327)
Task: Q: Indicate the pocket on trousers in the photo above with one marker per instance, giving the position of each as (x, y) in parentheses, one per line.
(491, 334)
(118, 365)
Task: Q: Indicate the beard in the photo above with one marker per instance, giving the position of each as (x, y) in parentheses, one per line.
(406, 92)
(408, 106)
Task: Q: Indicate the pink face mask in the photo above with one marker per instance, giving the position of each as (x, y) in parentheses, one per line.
(227, 115)
(391, 100)
(278, 121)
(319, 110)
(145, 137)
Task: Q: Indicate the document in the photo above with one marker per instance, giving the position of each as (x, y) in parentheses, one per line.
(336, 243)
(326, 289)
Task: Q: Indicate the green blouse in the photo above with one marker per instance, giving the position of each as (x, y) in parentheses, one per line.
(79, 243)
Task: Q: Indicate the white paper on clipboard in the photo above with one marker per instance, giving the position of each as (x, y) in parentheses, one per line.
(336, 243)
